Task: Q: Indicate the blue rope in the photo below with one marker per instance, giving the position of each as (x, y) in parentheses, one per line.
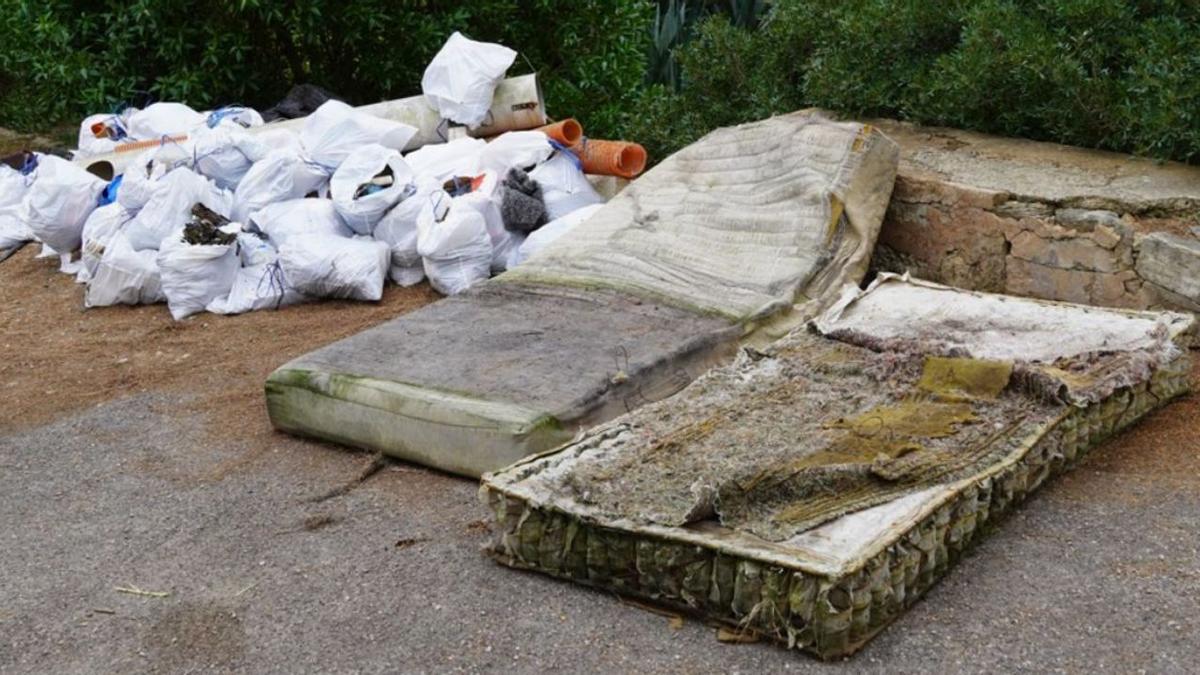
(215, 117)
(566, 151)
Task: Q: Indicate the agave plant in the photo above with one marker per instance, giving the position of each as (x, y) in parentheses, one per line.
(672, 27)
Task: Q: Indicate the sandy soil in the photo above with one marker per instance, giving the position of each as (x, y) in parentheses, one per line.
(61, 358)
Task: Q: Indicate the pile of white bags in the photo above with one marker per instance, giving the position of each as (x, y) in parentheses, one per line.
(331, 211)
(461, 78)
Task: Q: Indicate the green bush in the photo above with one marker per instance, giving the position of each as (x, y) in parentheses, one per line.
(60, 59)
(1116, 74)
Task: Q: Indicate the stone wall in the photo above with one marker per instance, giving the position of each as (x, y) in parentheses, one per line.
(1042, 220)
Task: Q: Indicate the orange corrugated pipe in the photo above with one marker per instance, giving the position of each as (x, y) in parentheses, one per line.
(611, 158)
(568, 131)
(142, 145)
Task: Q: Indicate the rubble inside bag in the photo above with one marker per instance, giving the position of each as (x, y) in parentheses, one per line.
(370, 181)
(170, 207)
(462, 76)
(200, 265)
(482, 195)
(841, 478)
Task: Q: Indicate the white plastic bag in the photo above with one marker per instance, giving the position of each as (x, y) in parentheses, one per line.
(100, 228)
(325, 266)
(515, 150)
(398, 229)
(280, 176)
(485, 200)
(89, 144)
(453, 241)
(255, 250)
(442, 161)
(61, 198)
(564, 187)
(195, 275)
(461, 78)
(124, 276)
(225, 154)
(552, 231)
(280, 140)
(283, 220)
(335, 129)
(256, 287)
(14, 232)
(170, 207)
(360, 202)
(163, 119)
(233, 117)
(141, 177)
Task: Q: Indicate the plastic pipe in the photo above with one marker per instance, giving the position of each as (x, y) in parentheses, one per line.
(611, 158)
(516, 105)
(568, 131)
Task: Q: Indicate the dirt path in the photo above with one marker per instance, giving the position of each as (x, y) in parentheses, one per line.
(60, 358)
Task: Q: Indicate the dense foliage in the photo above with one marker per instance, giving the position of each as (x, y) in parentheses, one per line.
(1117, 74)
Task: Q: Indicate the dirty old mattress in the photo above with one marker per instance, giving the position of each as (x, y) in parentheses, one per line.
(812, 491)
(736, 238)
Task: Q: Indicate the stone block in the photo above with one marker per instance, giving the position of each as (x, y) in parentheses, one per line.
(1171, 262)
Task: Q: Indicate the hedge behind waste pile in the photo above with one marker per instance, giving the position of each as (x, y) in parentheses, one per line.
(1121, 75)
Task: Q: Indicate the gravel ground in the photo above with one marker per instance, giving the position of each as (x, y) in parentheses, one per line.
(273, 558)
(1099, 573)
